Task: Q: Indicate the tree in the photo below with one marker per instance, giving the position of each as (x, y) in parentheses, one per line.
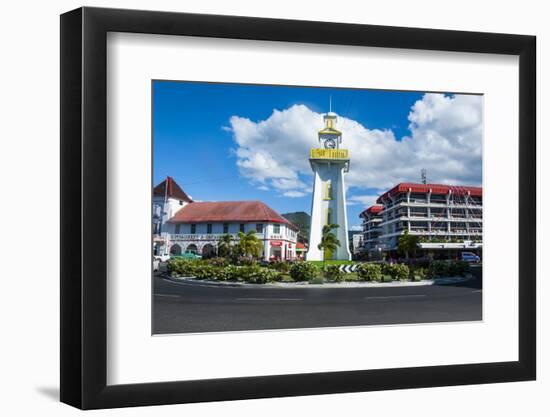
(329, 243)
(407, 243)
(224, 245)
(249, 244)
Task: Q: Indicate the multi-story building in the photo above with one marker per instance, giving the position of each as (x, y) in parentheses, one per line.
(442, 216)
(168, 198)
(372, 217)
(183, 225)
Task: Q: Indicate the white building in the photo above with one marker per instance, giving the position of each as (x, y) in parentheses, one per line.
(328, 205)
(189, 226)
(356, 243)
(372, 217)
(448, 217)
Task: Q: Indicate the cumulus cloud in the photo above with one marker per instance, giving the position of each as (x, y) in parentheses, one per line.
(294, 194)
(364, 200)
(445, 138)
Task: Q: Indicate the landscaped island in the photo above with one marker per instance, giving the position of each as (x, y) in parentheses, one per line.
(251, 271)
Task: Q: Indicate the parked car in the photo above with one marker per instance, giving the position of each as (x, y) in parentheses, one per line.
(187, 255)
(470, 257)
(162, 257)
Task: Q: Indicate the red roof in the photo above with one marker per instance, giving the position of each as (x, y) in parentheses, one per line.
(439, 189)
(229, 211)
(174, 190)
(372, 210)
(300, 245)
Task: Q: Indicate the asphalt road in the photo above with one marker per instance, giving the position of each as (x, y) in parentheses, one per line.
(182, 307)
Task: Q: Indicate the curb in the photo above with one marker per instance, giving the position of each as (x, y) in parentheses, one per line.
(292, 285)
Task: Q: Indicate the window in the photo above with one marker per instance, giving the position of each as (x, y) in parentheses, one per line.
(181, 203)
(328, 190)
(276, 229)
(241, 227)
(225, 228)
(259, 227)
(177, 228)
(329, 216)
(193, 228)
(209, 228)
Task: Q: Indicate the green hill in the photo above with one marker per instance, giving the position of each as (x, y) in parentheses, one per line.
(302, 220)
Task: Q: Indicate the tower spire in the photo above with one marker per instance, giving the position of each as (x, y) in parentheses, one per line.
(330, 103)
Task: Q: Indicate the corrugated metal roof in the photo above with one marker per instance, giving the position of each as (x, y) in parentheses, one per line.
(438, 189)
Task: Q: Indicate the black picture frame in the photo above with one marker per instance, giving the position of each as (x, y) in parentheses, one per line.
(84, 207)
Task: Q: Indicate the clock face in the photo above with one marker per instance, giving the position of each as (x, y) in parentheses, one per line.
(330, 144)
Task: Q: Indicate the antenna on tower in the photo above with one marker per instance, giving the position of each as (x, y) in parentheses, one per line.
(423, 175)
(330, 103)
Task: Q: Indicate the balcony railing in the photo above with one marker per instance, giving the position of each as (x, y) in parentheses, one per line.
(212, 236)
(425, 232)
(424, 203)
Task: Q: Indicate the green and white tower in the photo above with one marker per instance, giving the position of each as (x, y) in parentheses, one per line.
(329, 163)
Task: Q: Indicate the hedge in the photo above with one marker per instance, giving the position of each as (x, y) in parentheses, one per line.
(396, 271)
(333, 273)
(448, 269)
(369, 272)
(303, 271)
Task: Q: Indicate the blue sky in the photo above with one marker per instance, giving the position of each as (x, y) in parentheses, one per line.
(207, 135)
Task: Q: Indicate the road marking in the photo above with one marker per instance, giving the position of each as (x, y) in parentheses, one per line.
(167, 295)
(268, 299)
(477, 291)
(395, 296)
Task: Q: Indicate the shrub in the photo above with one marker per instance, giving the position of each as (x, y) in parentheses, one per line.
(246, 272)
(204, 271)
(370, 272)
(402, 272)
(448, 269)
(228, 273)
(351, 277)
(317, 280)
(303, 271)
(417, 273)
(396, 271)
(282, 267)
(222, 262)
(182, 267)
(438, 269)
(333, 273)
(257, 275)
(241, 260)
(458, 268)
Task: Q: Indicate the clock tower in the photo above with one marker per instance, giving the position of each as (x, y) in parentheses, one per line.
(329, 163)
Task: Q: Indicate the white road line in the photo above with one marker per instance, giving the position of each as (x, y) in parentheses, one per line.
(395, 296)
(167, 295)
(477, 291)
(268, 299)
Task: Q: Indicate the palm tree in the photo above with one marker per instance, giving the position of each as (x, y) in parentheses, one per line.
(329, 243)
(224, 245)
(249, 244)
(407, 243)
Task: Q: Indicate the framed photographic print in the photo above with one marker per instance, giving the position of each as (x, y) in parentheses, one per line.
(258, 208)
